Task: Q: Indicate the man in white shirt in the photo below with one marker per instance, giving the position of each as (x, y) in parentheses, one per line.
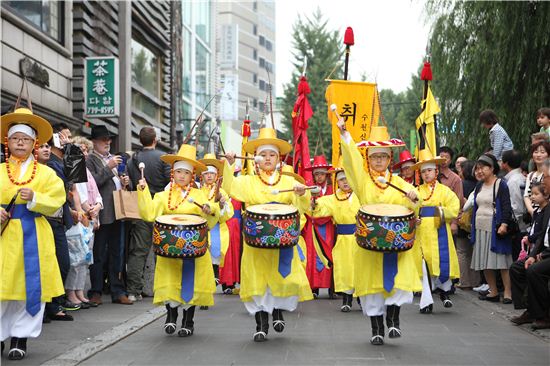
(511, 161)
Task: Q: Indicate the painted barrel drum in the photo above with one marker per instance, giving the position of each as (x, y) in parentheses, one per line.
(385, 227)
(180, 236)
(271, 226)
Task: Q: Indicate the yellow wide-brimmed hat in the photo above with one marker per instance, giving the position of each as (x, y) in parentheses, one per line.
(425, 157)
(25, 116)
(267, 136)
(210, 159)
(186, 153)
(287, 170)
(380, 137)
(338, 167)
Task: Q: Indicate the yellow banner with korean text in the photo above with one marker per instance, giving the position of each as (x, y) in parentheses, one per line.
(357, 103)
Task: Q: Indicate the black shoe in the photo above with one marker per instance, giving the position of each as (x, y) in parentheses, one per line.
(427, 309)
(489, 298)
(444, 297)
(187, 323)
(3, 346)
(85, 305)
(46, 319)
(203, 307)
(278, 321)
(331, 294)
(262, 326)
(392, 321)
(65, 317)
(347, 301)
(171, 319)
(377, 324)
(70, 306)
(18, 348)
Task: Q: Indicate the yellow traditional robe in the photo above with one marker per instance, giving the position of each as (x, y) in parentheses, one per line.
(168, 271)
(259, 267)
(49, 194)
(426, 241)
(369, 264)
(343, 253)
(227, 214)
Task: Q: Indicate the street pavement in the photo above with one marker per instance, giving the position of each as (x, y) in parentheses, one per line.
(470, 333)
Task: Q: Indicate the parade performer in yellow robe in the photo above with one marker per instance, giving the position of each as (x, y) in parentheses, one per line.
(434, 247)
(218, 237)
(29, 269)
(383, 281)
(176, 283)
(342, 206)
(272, 280)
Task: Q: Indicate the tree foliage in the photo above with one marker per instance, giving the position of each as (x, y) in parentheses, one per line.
(324, 51)
(489, 55)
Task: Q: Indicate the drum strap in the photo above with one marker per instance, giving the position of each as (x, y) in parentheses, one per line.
(215, 242)
(187, 279)
(442, 241)
(345, 229)
(31, 258)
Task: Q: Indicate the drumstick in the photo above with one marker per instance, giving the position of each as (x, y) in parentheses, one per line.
(257, 159)
(277, 191)
(142, 167)
(191, 200)
(384, 181)
(334, 109)
(8, 209)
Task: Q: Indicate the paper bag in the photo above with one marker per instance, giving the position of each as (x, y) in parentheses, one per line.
(126, 205)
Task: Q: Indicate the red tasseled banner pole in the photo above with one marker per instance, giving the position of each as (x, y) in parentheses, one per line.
(426, 73)
(349, 41)
(246, 128)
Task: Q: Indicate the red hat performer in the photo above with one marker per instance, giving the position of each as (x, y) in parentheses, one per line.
(320, 168)
(406, 161)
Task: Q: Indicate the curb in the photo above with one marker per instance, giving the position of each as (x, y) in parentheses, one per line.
(498, 309)
(106, 339)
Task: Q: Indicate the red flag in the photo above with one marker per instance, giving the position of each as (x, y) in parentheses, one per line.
(300, 115)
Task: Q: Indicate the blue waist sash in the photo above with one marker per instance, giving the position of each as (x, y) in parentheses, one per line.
(31, 257)
(237, 214)
(215, 241)
(187, 279)
(442, 242)
(345, 229)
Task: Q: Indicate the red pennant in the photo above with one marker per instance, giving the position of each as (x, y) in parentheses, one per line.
(426, 73)
(348, 37)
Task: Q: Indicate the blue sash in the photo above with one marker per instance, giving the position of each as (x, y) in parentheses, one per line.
(345, 229)
(442, 242)
(215, 242)
(322, 230)
(187, 279)
(31, 259)
(285, 259)
(301, 254)
(389, 270)
(237, 214)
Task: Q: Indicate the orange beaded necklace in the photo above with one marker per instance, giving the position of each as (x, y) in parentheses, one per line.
(258, 173)
(8, 168)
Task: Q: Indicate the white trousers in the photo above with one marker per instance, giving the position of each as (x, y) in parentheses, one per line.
(175, 304)
(426, 298)
(267, 302)
(375, 304)
(15, 321)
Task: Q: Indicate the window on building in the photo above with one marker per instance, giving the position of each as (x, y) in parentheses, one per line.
(202, 75)
(146, 74)
(262, 62)
(254, 29)
(255, 54)
(254, 78)
(44, 15)
(255, 103)
(202, 20)
(263, 85)
(269, 66)
(255, 5)
(261, 106)
(186, 50)
(186, 12)
(268, 45)
(262, 41)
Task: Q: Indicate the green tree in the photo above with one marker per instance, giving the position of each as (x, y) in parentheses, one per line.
(489, 55)
(324, 51)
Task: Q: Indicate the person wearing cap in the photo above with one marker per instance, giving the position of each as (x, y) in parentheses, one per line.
(219, 235)
(174, 286)
(107, 244)
(342, 207)
(323, 229)
(437, 261)
(272, 280)
(406, 161)
(30, 191)
(383, 281)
